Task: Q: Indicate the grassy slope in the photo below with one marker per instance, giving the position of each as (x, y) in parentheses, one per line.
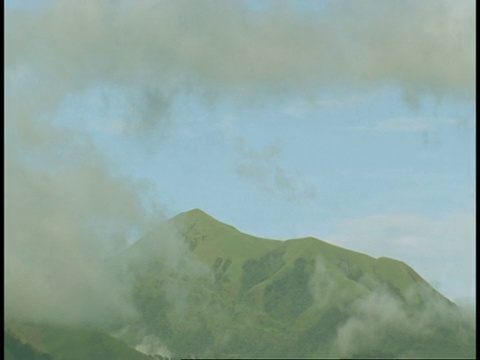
(215, 240)
(65, 343)
(15, 349)
(260, 302)
(205, 289)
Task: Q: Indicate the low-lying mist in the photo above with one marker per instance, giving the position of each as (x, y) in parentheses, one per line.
(382, 321)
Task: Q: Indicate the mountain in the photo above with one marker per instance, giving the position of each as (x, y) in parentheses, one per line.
(48, 342)
(207, 289)
(204, 289)
(15, 349)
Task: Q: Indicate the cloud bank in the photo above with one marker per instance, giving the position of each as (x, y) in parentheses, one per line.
(158, 48)
(58, 229)
(380, 319)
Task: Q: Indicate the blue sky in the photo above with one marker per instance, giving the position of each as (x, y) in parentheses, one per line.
(373, 151)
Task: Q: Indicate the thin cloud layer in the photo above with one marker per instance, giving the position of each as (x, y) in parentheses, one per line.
(380, 318)
(263, 170)
(214, 48)
(437, 248)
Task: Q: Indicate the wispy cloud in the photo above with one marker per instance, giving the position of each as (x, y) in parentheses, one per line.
(380, 317)
(442, 248)
(418, 124)
(404, 125)
(263, 169)
(302, 107)
(156, 49)
(428, 127)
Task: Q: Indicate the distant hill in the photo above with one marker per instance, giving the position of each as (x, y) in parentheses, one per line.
(205, 289)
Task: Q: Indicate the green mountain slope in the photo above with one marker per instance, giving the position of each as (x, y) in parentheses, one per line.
(206, 289)
(46, 342)
(15, 349)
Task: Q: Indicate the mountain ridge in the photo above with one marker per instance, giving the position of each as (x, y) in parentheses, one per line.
(293, 286)
(198, 214)
(202, 288)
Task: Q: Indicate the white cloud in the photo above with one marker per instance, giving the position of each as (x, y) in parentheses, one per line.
(418, 124)
(379, 316)
(440, 249)
(404, 125)
(160, 48)
(302, 107)
(227, 125)
(264, 170)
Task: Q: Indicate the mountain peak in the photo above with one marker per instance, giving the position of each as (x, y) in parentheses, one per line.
(298, 294)
(198, 216)
(194, 214)
(196, 211)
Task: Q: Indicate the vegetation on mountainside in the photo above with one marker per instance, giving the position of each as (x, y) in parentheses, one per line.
(204, 289)
(15, 349)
